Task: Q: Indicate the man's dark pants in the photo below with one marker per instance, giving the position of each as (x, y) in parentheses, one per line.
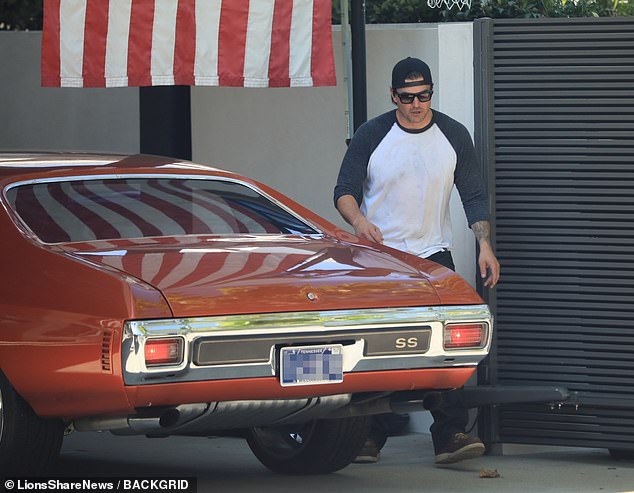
(449, 419)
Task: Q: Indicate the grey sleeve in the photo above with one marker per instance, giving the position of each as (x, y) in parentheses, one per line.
(467, 175)
(354, 167)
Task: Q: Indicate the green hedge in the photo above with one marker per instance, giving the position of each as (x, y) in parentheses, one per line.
(21, 15)
(408, 11)
(27, 14)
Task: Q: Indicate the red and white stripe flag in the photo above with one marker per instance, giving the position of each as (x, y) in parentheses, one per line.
(249, 43)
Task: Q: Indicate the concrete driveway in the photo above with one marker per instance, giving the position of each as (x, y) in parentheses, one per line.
(227, 464)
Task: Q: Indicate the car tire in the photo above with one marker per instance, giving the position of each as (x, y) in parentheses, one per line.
(28, 444)
(621, 454)
(316, 447)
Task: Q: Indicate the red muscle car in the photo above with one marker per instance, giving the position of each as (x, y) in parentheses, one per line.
(147, 295)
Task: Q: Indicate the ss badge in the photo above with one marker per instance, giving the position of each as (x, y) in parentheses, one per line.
(406, 342)
(398, 341)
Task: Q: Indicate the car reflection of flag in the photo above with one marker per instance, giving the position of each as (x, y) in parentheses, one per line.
(263, 43)
(109, 209)
(195, 269)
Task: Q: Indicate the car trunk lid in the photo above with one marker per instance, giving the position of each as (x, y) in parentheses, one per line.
(265, 274)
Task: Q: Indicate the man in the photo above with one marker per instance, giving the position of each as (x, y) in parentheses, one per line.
(394, 187)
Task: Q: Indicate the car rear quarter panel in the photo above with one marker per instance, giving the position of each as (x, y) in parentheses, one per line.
(61, 326)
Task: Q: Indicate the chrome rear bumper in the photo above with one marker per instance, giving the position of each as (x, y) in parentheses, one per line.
(247, 346)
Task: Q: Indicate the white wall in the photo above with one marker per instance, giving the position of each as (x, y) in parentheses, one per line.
(456, 98)
(45, 118)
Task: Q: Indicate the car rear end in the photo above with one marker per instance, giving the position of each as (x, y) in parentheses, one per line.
(241, 314)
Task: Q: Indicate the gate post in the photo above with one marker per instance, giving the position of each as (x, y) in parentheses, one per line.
(488, 423)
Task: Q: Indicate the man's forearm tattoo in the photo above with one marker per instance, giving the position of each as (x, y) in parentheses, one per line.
(482, 231)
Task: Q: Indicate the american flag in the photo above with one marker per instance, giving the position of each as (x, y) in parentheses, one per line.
(245, 43)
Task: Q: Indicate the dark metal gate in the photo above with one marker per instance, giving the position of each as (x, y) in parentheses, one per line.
(555, 132)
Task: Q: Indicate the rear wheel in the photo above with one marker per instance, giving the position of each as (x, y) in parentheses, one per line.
(28, 443)
(317, 447)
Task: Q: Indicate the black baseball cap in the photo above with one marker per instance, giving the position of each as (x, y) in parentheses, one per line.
(405, 67)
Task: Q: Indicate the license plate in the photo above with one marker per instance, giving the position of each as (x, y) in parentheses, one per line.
(311, 365)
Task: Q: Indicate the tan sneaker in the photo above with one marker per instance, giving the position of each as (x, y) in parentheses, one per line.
(460, 447)
(369, 454)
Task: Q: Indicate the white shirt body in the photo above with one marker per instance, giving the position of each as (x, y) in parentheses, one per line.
(407, 190)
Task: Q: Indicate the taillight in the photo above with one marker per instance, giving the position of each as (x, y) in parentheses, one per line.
(163, 352)
(464, 336)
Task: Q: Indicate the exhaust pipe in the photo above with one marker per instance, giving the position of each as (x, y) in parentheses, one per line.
(179, 415)
(142, 425)
(119, 425)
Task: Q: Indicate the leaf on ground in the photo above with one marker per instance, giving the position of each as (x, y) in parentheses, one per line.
(489, 473)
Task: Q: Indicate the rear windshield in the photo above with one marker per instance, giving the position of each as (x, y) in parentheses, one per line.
(85, 210)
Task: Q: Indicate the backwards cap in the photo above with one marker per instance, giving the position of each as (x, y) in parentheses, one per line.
(407, 66)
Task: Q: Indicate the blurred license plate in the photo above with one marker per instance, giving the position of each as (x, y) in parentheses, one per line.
(311, 365)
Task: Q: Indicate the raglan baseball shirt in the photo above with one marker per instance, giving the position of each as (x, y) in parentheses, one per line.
(402, 180)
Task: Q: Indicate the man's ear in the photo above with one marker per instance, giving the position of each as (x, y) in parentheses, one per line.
(392, 96)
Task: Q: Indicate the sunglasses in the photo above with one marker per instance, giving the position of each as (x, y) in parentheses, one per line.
(408, 98)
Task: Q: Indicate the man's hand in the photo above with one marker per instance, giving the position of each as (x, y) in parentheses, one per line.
(349, 209)
(486, 261)
(488, 264)
(365, 229)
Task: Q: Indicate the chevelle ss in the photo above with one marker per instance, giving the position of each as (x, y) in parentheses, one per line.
(152, 296)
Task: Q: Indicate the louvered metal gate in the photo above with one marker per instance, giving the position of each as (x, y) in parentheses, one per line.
(555, 132)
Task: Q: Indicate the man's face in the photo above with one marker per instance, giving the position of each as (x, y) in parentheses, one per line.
(417, 114)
